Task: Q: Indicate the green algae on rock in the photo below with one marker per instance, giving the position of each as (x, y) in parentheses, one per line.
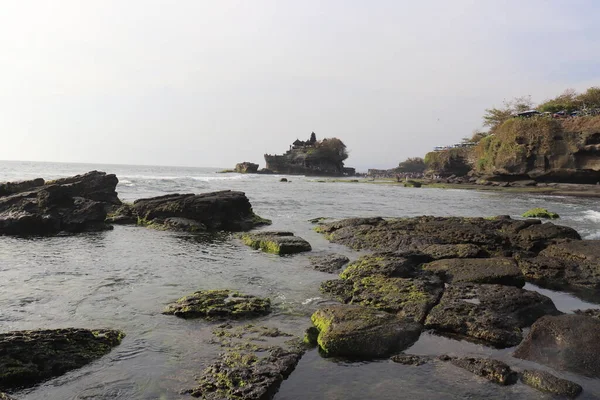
(546, 382)
(495, 237)
(362, 332)
(255, 362)
(540, 213)
(276, 242)
(30, 357)
(246, 376)
(225, 210)
(219, 304)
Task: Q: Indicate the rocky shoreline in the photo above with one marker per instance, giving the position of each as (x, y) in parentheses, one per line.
(457, 277)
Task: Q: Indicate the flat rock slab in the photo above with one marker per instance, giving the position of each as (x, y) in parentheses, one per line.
(361, 332)
(406, 297)
(30, 357)
(546, 382)
(566, 342)
(492, 370)
(244, 375)
(330, 263)
(276, 242)
(219, 304)
(441, 251)
(226, 210)
(496, 236)
(392, 265)
(493, 314)
(572, 263)
(502, 271)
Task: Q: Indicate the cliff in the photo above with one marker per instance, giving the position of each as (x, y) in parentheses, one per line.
(542, 149)
(323, 158)
(449, 162)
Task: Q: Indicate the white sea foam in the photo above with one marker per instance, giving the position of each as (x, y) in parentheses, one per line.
(591, 215)
(310, 300)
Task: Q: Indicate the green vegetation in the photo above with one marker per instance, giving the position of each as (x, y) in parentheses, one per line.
(540, 213)
(412, 165)
(217, 304)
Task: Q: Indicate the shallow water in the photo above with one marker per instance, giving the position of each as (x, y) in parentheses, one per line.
(123, 278)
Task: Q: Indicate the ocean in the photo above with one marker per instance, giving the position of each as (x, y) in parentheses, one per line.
(123, 278)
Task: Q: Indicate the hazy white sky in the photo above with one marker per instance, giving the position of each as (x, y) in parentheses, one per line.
(212, 83)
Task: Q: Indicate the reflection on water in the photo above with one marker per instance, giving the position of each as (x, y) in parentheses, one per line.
(123, 278)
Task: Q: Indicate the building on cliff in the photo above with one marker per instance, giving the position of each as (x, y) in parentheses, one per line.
(311, 157)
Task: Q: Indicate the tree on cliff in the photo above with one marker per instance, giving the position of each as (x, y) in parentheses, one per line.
(313, 138)
(567, 101)
(333, 149)
(494, 117)
(591, 98)
(412, 165)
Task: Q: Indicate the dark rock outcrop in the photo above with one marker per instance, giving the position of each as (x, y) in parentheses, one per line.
(225, 210)
(542, 149)
(276, 242)
(244, 375)
(321, 158)
(361, 332)
(30, 357)
(74, 204)
(546, 382)
(565, 342)
(410, 359)
(572, 263)
(329, 263)
(493, 370)
(219, 304)
(503, 271)
(497, 236)
(246, 168)
(493, 314)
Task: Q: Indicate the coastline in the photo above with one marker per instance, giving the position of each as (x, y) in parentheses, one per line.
(553, 189)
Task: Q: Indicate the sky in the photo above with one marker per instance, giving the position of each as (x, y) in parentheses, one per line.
(212, 83)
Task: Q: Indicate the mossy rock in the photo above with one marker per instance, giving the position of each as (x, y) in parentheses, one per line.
(276, 242)
(546, 382)
(4, 396)
(219, 304)
(493, 370)
(362, 332)
(30, 357)
(540, 213)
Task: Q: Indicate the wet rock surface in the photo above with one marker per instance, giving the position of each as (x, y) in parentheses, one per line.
(219, 304)
(362, 332)
(225, 210)
(330, 263)
(546, 382)
(493, 314)
(74, 204)
(503, 271)
(410, 298)
(496, 236)
(566, 342)
(410, 359)
(257, 359)
(30, 357)
(276, 242)
(572, 263)
(493, 370)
